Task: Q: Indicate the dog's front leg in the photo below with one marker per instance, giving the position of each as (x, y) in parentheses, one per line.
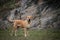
(25, 32)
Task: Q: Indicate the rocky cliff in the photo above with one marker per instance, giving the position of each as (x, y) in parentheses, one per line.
(46, 13)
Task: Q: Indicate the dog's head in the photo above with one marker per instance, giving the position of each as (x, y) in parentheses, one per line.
(29, 18)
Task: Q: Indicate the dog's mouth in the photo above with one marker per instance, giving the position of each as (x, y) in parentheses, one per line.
(29, 21)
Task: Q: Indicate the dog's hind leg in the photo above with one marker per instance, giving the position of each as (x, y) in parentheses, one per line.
(15, 29)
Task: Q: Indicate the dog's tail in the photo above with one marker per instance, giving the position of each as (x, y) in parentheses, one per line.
(9, 20)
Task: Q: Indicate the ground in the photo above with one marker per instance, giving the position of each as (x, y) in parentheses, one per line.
(36, 34)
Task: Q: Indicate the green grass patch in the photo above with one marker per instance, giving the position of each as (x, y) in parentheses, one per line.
(37, 34)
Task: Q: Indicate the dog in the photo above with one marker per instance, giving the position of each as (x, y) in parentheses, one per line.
(21, 23)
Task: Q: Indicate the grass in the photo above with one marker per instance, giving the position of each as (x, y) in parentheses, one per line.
(45, 34)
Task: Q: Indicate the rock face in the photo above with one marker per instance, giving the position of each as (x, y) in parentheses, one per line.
(46, 13)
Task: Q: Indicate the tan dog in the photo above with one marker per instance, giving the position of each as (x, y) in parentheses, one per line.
(21, 23)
